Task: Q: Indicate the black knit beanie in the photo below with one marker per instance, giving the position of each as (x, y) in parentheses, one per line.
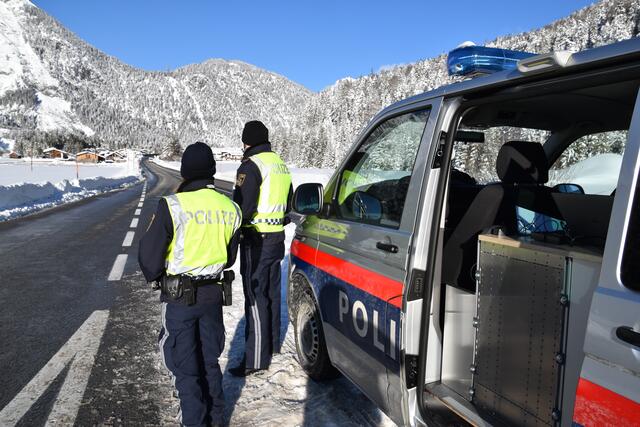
(255, 133)
(197, 162)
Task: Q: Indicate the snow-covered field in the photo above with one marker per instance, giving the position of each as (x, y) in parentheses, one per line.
(24, 190)
(226, 171)
(19, 171)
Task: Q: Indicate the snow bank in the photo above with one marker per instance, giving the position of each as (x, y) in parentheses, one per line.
(25, 189)
(166, 164)
(597, 175)
(21, 199)
(226, 171)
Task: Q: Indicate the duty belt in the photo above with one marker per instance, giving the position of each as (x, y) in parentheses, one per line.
(184, 285)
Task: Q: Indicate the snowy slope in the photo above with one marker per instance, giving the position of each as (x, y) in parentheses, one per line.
(21, 67)
(22, 70)
(125, 106)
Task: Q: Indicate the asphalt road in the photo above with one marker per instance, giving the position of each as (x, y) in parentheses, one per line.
(54, 275)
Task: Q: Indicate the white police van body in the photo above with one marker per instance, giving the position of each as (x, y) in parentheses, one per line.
(506, 298)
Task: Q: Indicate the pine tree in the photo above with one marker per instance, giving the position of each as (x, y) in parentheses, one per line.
(172, 150)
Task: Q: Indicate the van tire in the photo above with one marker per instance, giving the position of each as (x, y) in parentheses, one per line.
(311, 347)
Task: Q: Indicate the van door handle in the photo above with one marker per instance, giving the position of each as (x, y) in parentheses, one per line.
(387, 247)
(628, 335)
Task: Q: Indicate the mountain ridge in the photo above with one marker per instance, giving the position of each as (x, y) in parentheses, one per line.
(211, 100)
(127, 106)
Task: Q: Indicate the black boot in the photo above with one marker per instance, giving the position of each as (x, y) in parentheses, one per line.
(242, 371)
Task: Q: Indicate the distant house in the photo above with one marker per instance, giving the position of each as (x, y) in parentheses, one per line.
(89, 157)
(14, 155)
(227, 153)
(115, 156)
(55, 153)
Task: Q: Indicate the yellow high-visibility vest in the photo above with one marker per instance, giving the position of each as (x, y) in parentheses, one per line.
(274, 193)
(204, 222)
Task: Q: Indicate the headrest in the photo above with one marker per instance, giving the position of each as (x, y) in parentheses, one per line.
(522, 162)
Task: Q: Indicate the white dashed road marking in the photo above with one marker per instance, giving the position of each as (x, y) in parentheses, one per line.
(140, 204)
(118, 268)
(79, 351)
(128, 239)
(138, 212)
(134, 223)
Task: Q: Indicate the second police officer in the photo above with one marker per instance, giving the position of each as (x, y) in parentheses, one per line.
(192, 238)
(263, 190)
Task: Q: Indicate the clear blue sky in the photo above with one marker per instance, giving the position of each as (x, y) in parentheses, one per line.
(311, 42)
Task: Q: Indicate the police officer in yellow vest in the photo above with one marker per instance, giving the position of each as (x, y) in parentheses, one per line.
(263, 190)
(193, 237)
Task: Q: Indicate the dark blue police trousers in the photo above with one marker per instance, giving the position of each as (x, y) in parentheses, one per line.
(260, 267)
(191, 341)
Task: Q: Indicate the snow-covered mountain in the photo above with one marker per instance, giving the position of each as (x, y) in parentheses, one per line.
(55, 87)
(53, 83)
(335, 116)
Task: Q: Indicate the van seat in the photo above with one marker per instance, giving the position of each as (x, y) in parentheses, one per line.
(523, 170)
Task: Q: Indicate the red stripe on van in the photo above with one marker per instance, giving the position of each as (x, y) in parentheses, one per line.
(598, 406)
(366, 280)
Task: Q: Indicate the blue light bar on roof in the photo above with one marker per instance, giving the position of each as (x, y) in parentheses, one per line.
(473, 60)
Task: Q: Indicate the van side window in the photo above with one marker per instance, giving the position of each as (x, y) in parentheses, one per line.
(374, 183)
(592, 162)
(629, 269)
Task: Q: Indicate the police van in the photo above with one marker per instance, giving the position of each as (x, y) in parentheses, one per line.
(475, 259)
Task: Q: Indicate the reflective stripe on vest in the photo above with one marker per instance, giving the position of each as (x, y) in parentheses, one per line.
(203, 223)
(274, 192)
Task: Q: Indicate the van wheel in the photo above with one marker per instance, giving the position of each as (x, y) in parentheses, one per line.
(310, 343)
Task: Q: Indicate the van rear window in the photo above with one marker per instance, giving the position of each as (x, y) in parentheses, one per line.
(630, 268)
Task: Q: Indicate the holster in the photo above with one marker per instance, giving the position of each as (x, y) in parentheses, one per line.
(189, 290)
(228, 277)
(171, 287)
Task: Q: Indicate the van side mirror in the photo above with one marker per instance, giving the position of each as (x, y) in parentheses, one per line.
(568, 188)
(308, 199)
